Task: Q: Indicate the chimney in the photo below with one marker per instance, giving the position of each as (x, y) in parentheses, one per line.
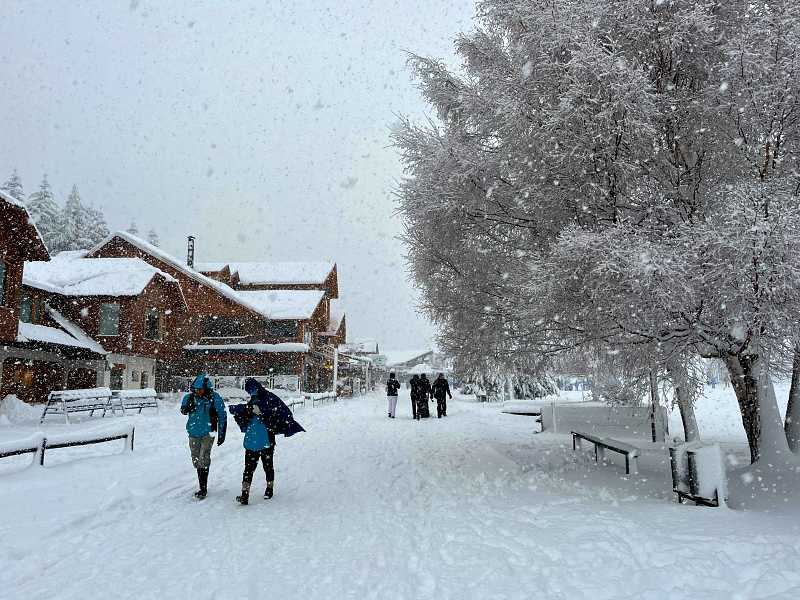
(190, 252)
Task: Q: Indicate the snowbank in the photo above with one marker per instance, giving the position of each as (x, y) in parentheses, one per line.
(14, 410)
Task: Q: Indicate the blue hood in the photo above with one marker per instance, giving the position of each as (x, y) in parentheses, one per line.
(203, 380)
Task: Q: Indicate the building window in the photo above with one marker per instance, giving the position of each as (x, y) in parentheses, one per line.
(2, 282)
(152, 324)
(308, 337)
(221, 327)
(145, 380)
(109, 318)
(117, 375)
(282, 329)
(26, 308)
(134, 375)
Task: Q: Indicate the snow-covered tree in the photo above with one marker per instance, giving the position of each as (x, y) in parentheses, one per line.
(133, 229)
(46, 214)
(13, 187)
(152, 237)
(77, 223)
(97, 227)
(617, 176)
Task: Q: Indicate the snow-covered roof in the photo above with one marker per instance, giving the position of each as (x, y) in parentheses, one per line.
(363, 346)
(336, 317)
(11, 200)
(399, 357)
(75, 331)
(277, 273)
(265, 348)
(210, 267)
(91, 276)
(286, 304)
(224, 290)
(30, 332)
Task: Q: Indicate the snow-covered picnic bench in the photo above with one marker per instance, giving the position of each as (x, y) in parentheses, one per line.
(66, 402)
(320, 397)
(133, 399)
(631, 453)
(698, 473)
(38, 443)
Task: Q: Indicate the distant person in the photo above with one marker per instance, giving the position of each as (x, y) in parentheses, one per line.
(260, 419)
(441, 391)
(206, 412)
(425, 394)
(392, 386)
(415, 393)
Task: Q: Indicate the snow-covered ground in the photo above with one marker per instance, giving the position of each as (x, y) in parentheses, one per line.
(471, 506)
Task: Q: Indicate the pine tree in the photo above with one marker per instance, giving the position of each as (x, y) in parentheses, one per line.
(46, 214)
(13, 187)
(97, 227)
(133, 229)
(152, 237)
(76, 223)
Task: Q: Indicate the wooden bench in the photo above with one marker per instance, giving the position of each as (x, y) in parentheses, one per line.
(38, 443)
(685, 480)
(133, 399)
(67, 402)
(631, 453)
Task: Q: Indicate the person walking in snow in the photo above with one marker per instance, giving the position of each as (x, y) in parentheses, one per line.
(415, 392)
(425, 393)
(260, 419)
(206, 412)
(392, 386)
(441, 391)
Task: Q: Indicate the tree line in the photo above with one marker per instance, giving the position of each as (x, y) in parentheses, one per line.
(73, 226)
(616, 183)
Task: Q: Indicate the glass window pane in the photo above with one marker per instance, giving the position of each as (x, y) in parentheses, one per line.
(25, 308)
(2, 282)
(152, 325)
(109, 318)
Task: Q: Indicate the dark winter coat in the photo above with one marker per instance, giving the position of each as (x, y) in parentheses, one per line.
(425, 387)
(415, 388)
(392, 386)
(441, 389)
(276, 415)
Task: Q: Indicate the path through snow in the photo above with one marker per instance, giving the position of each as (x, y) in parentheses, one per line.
(471, 506)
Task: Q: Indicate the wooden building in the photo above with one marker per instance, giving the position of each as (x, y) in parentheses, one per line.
(41, 350)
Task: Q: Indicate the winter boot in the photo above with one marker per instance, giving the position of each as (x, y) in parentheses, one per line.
(270, 488)
(202, 480)
(244, 499)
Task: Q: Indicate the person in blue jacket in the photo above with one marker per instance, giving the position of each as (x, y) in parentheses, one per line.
(260, 419)
(206, 412)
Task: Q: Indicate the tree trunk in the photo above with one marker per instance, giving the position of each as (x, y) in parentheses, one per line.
(792, 424)
(760, 416)
(691, 431)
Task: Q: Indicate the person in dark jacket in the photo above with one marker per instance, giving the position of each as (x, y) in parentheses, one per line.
(414, 384)
(424, 396)
(392, 386)
(260, 419)
(441, 391)
(206, 412)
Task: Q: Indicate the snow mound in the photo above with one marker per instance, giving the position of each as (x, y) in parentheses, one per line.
(14, 410)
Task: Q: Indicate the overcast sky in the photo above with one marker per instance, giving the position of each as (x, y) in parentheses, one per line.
(260, 127)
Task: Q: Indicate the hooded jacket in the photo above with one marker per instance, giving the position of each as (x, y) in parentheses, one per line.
(206, 413)
(275, 414)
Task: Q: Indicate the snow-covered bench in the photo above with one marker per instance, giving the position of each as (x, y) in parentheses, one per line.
(66, 402)
(631, 453)
(39, 443)
(133, 399)
(698, 474)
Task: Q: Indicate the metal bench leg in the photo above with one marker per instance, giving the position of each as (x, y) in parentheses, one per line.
(601, 453)
(631, 465)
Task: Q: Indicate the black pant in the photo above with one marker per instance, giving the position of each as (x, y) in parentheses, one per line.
(441, 407)
(251, 463)
(414, 406)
